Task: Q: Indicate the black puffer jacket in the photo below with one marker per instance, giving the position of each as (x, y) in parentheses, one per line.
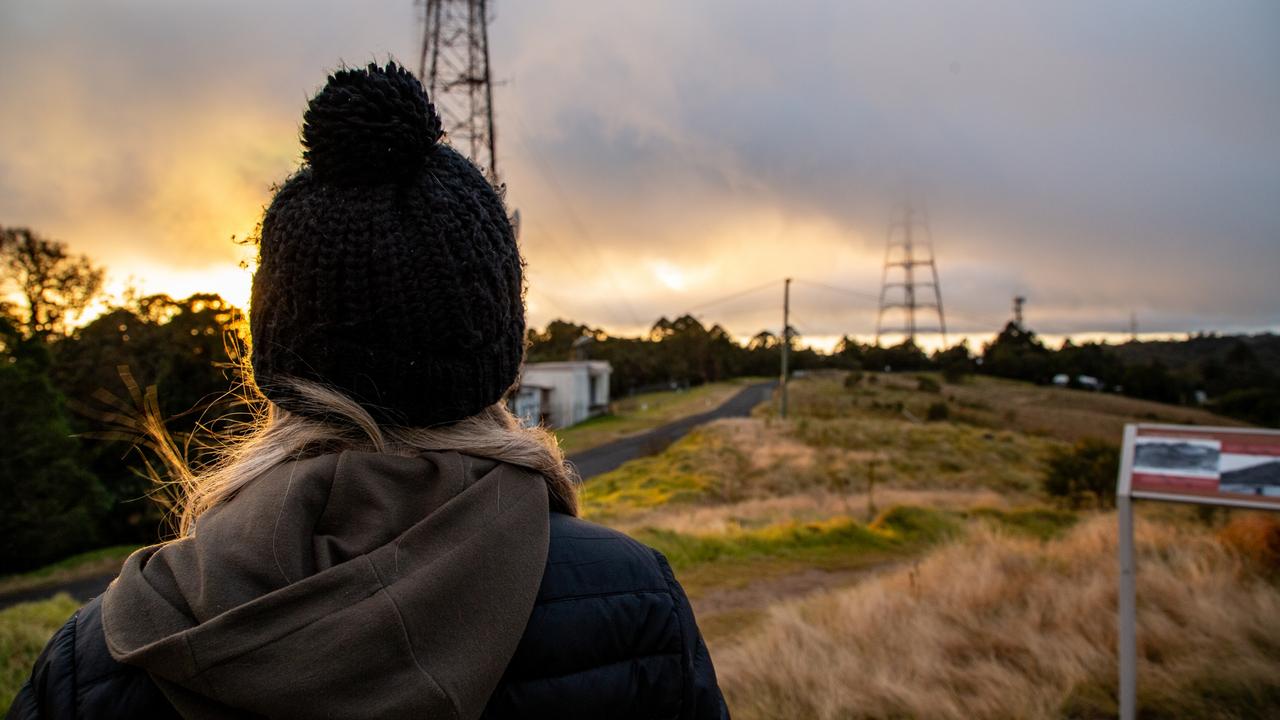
(611, 636)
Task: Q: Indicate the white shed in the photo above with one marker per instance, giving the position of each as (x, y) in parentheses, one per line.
(576, 390)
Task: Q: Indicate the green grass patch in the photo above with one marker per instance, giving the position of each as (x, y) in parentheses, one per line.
(86, 564)
(682, 473)
(916, 525)
(1038, 522)
(24, 631)
(898, 529)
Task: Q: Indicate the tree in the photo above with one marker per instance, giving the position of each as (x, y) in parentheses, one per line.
(1018, 354)
(49, 504)
(189, 350)
(56, 286)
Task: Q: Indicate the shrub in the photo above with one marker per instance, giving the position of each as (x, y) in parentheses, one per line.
(852, 379)
(1085, 469)
(937, 411)
(927, 384)
(953, 374)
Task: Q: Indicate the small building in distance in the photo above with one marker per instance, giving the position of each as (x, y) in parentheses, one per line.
(560, 394)
(528, 401)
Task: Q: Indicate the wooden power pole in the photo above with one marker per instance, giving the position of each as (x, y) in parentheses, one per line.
(786, 339)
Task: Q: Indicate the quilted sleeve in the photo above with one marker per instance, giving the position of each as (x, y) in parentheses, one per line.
(703, 699)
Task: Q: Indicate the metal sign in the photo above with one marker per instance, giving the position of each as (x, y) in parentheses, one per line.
(1238, 467)
(1235, 467)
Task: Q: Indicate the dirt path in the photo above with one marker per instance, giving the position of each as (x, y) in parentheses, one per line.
(759, 594)
(728, 613)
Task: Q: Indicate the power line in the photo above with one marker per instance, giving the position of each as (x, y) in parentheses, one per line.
(731, 296)
(845, 291)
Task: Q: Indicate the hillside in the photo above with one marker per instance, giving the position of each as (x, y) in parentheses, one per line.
(1187, 356)
(856, 535)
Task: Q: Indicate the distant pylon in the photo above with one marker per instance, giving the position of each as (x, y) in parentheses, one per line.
(1018, 302)
(903, 253)
(454, 65)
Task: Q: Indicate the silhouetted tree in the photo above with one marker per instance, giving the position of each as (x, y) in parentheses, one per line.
(1017, 353)
(55, 286)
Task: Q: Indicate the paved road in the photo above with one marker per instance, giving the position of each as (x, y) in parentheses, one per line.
(82, 590)
(596, 461)
(602, 459)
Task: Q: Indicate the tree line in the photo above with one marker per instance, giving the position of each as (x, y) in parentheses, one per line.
(83, 374)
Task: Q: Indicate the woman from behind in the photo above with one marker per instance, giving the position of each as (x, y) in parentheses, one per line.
(388, 541)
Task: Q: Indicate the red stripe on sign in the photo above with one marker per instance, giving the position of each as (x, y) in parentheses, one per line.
(1246, 446)
(1167, 483)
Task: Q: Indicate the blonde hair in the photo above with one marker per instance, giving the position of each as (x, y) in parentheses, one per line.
(331, 422)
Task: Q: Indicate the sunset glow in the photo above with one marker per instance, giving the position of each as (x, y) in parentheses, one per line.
(651, 186)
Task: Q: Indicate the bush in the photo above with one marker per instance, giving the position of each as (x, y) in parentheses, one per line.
(954, 374)
(937, 411)
(927, 384)
(852, 379)
(1088, 468)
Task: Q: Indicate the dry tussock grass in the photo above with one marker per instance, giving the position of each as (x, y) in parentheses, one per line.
(1255, 535)
(801, 507)
(998, 627)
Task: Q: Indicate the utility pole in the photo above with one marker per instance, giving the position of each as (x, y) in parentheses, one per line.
(1018, 302)
(786, 339)
(1133, 326)
(903, 254)
(454, 66)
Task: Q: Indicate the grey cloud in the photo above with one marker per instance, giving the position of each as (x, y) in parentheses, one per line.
(1098, 158)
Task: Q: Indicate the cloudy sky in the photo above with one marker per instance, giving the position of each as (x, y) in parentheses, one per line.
(1101, 159)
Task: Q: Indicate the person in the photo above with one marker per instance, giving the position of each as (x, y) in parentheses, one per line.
(388, 541)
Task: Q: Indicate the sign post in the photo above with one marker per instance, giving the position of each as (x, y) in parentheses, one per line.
(1234, 467)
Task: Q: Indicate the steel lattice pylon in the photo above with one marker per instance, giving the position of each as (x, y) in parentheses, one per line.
(902, 256)
(454, 66)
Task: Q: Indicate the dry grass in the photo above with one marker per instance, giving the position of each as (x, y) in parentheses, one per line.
(803, 507)
(999, 627)
(1256, 535)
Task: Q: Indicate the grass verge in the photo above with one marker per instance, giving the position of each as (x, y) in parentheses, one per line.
(24, 630)
(86, 564)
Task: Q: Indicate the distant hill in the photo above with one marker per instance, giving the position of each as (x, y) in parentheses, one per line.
(1184, 357)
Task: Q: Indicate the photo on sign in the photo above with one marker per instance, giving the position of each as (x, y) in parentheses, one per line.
(1185, 457)
(1250, 475)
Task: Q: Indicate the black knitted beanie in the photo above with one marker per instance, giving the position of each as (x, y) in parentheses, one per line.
(387, 266)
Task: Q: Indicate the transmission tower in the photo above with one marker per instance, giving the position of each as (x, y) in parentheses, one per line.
(904, 252)
(454, 66)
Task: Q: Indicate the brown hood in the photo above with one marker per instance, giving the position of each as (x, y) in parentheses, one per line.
(347, 585)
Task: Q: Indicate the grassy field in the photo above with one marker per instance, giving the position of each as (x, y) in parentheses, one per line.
(24, 630)
(639, 413)
(858, 561)
(998, 627)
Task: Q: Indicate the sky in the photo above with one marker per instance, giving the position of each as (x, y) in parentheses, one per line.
(1109, 162)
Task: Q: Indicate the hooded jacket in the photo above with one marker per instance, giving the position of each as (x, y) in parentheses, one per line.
(370, 585)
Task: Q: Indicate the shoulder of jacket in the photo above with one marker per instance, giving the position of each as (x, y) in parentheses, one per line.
(586, 559)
